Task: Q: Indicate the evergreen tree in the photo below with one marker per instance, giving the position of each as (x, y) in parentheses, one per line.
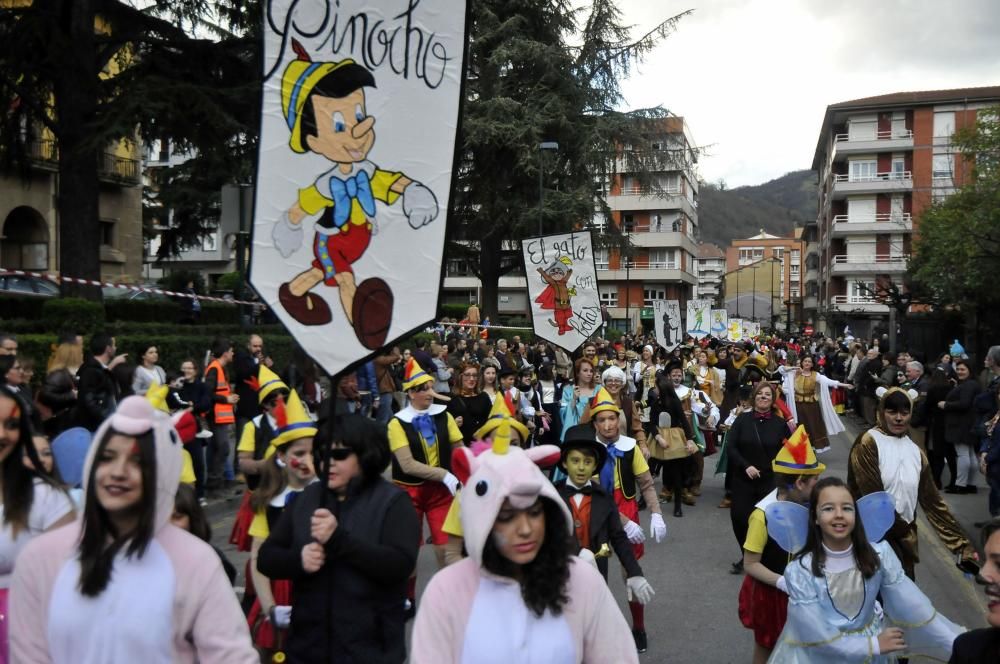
(540, 70)
(94, 72)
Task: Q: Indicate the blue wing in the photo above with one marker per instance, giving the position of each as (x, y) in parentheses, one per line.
(788, 525)
(877, 512)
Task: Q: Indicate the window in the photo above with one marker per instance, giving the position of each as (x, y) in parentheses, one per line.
(609, 295)
(629, 221)
(941, 168)
(796, 255)
(108, 233)
(750, 255)
(601, 258)
(863, 171)
(210, 242)
(861, 291)
(653, 293)
(778, 252)
(862, 129)
(898, 167)
(944, 124)
(662, 259)
(898, 124)
(793, 293)
(795, 272)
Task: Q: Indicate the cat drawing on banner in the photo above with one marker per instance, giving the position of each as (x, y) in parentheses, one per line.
(672, 324)
(557, 296)
(324, 107)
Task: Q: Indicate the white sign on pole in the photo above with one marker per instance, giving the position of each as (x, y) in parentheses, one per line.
(748, 329)
(735, 329)
(355, 168)
(667, 323)
(720, 323)
(698, 318)
(562, 288)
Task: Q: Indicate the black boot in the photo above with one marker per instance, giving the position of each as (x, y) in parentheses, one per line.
(677, 508)
(640, 639)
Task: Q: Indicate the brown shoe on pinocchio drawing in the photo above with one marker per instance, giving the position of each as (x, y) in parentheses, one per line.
(372, 312)
(308, 309)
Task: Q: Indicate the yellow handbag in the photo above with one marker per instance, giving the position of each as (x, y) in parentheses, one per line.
(676, 447)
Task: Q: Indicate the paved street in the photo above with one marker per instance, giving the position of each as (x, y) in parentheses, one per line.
(693, 617)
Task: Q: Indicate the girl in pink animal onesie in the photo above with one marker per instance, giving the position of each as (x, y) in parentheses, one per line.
(123, 584)
(521, 595)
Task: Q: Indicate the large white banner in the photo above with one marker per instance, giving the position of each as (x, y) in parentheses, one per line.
(667, 323)
(562, 288)
(720, 323)
(698, 319)
(360, 111)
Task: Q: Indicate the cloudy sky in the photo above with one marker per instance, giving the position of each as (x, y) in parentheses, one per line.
(753, 77)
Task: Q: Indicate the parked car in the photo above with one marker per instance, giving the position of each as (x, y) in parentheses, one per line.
(128, 294)
(17, 284)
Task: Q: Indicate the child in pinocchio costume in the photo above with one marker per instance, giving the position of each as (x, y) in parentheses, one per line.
(596, 522)
(763, 602)
(556, 295)
(421, 439)
(255, 441)
(287, 470)
(324, 106)
(624, 475)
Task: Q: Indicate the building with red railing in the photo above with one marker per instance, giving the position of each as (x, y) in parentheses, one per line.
(881, 161)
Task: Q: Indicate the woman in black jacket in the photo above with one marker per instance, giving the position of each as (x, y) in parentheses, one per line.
(348, 544)
(190, 392)
(939, 450)
(960, 417)
(752, 443)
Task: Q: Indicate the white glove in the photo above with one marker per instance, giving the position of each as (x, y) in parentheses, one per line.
(657, 527)
(587, 555)
(452, 483)
(782, 586)
(639, 588)
(281, 616)
(419, 205)
(287, 236)
(634, 532)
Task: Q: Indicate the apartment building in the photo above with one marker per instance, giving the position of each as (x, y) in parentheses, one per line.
(659, 221)
(881, 161)
(710, 266)
(29, 218)
(774, 266)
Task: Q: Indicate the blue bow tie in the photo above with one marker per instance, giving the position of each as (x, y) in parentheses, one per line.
(425, 427)
(343, 192)
(608, 471)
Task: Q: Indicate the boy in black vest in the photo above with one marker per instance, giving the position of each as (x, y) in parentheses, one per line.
(421, 437)
(596, 522)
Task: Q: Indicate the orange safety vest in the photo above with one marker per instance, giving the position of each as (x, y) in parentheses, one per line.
(223, 412)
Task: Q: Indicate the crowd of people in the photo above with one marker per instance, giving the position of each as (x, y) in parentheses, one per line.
(529, 466)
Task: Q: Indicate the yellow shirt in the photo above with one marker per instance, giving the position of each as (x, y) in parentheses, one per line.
(259, 527)
(312, 200)
(453, 521)
(248, 438)
(757, 532)
(398, 440)
(187, 468)
(639, 466)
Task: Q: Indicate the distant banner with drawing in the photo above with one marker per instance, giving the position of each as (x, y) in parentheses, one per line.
(562, 288)
(698, 323)
(667, 323)
(735, 329)
(720, 323)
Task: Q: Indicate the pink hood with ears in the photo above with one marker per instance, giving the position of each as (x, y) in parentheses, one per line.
(500, 473)
(135, 416)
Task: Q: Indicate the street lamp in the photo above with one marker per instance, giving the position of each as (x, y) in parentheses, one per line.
(544, 145)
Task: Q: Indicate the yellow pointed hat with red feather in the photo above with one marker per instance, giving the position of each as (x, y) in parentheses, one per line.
(796, 456)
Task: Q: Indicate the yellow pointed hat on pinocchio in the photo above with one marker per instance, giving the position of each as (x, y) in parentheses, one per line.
(265, 383)
(602, 401)
(414, 375)
(796, 456)
(301, 76)
(292, 423)
(501, 413)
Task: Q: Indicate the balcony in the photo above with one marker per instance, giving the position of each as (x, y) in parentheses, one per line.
(879, 183)
(648, 236)
(899, 140)
(645, 198)
(861, 304)
(870, 224)
(645, 271)
(44, 154)
(873, 264)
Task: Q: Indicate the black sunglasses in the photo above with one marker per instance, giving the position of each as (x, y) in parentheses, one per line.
(340, 453)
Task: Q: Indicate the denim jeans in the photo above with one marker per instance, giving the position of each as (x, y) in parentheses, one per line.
(384, 413)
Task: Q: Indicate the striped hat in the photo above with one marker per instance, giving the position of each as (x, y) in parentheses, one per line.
(602, 401)
(293, 423)
(796, 456)
(414, 375)
(502, 413)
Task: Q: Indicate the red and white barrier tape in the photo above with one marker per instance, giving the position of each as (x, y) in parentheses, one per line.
(55, 278)
(491, 326)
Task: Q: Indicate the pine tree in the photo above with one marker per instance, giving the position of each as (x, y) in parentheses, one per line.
(540, 70)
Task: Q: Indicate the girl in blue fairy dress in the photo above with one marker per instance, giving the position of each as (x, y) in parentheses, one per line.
(840, 568)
